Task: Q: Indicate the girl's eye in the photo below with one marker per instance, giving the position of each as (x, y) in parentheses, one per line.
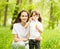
(22, 15)
(34, 15)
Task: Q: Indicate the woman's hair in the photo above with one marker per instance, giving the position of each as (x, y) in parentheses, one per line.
(36, 13)
(18, 20)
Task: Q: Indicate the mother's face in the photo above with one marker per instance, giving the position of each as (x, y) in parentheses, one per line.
(24, 17)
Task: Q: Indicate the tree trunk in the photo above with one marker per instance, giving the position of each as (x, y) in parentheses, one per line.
(57, 23)
(51, 12)
(5, 14)
(51, 22)
(16, 10)
(30, 1)
(17, 2)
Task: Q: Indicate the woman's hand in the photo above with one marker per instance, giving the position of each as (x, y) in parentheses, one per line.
(16, 39)
(24, 39)
(28, 23)
(34, 18)
(30, 19)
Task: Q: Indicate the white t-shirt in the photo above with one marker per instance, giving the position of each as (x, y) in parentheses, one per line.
(33, 32)
(20, 30)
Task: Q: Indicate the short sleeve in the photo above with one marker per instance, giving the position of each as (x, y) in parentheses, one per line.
(28, 29)
(14, 30)
(40, 26)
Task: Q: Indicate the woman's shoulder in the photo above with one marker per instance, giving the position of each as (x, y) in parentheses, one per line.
(16, 24)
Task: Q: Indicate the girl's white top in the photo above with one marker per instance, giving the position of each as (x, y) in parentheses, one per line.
(33, 31)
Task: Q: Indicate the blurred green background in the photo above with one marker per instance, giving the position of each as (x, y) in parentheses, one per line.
(49, 11)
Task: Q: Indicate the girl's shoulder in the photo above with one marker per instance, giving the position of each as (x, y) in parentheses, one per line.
(32, 23)
(40, 23)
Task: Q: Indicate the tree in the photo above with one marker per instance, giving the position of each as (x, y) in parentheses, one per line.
(5, 13)
(51, 20)
(30, 1)
(16, 10)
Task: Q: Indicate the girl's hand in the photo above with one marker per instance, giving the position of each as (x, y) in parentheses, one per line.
(38, 38)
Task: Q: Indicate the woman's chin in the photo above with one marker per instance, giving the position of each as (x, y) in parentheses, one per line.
(24, 21)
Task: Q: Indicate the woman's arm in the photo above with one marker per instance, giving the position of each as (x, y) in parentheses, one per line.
(16, 39)
(27, 24)
(27, 37)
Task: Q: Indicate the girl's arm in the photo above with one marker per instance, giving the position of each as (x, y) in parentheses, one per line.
(39, 28)
(38, 38)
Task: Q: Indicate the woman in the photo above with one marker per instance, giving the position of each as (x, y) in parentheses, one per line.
(20, 33)
(36, 28)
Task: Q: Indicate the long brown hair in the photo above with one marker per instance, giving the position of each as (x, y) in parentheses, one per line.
(18, 20)
(36, 13)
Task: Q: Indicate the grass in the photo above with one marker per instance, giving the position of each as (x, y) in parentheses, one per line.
(51, 38)
(5, 38)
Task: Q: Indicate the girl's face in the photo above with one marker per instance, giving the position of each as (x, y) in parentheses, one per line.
(24, 17)
(34, 16)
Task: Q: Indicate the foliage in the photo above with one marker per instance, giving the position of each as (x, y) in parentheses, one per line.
(51, 38)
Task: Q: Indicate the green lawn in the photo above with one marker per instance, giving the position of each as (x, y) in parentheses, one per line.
(5, 38)
(51, 38)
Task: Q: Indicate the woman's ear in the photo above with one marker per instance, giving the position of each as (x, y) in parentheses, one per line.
(19, 17)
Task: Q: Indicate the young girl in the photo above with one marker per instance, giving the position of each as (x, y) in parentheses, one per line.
(36, 28)
(20, 33)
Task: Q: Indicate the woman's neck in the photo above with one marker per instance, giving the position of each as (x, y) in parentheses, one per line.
(23, 23)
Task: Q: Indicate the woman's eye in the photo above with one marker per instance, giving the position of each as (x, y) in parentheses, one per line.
(24, 15)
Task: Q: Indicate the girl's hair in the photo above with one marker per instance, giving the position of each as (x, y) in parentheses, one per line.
(36, 13)
(18, 20)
